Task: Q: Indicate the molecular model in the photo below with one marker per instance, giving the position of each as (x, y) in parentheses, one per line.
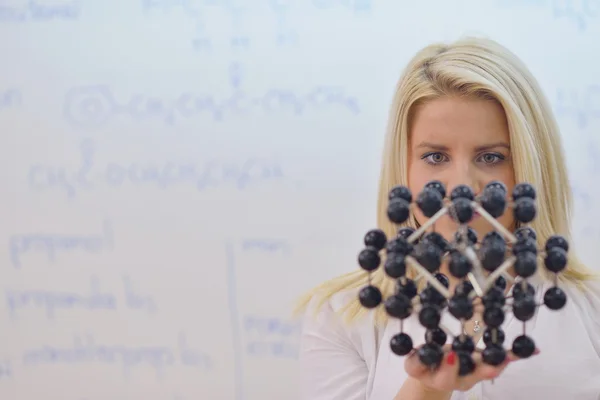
(480, 265)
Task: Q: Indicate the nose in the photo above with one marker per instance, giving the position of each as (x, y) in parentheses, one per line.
(463, 173)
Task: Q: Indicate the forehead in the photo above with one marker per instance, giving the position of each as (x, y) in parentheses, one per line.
(459, 121)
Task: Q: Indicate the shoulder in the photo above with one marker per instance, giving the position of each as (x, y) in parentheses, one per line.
(325, 320)
(585, 297)
(336, 356)
(326, 308)
(579, 320)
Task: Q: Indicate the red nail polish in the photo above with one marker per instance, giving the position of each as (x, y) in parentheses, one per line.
(451, 358)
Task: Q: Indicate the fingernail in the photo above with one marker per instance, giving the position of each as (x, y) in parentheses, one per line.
(536, 351)
(451, 358)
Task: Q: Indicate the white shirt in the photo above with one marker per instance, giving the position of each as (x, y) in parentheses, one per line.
(354, 362)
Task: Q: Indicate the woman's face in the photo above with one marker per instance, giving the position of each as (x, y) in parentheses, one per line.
(460, 141)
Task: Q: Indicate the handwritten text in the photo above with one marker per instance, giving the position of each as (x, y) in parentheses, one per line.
(202, 176)
(86, 349)
(94, 106)
(51, 245)
(38, 11)
(93, 299)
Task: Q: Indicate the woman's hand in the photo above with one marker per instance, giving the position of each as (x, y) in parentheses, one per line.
(445, 378)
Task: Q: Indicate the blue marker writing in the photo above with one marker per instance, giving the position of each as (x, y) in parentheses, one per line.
(38, 11)
(51, 245)
(93, 106)
(86, 350)
(52, 300)
(134, 300)
(208, 175)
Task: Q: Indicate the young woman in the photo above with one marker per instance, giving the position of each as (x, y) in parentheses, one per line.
(467, 113)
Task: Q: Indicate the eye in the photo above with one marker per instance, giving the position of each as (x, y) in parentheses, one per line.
(434, 158)
(492, 158)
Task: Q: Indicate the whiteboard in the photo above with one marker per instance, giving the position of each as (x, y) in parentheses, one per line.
(175, 173)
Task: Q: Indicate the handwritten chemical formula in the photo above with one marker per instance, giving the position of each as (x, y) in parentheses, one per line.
(241, 17)
(203, 175)
(94, 106)
(40, 11)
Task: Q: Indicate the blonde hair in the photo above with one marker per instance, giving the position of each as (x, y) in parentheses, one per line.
(479, 68)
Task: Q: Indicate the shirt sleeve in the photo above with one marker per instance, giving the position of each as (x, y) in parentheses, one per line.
(331, 364)
(592, 315)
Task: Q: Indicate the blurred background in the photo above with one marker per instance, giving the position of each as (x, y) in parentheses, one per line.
(175, 173)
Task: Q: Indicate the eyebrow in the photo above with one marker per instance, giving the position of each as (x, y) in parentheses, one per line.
(440, 147)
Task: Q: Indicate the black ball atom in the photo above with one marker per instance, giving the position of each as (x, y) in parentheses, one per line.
(501, 283)
(523, 346)
(463, 343)
(399, 246)
(398, 306)
(465, 287)
(556, 259)
(466, 365)
(493, 335)
(525, 244)
(430, 295)
(443, 279)
(459, 265)
(438, 240)
(524, 210)
(494, 297)
(493, 316)
(555, 298)
(557, 241)
(400, 192)
(407, 287)
(494, 354)
(370, 296)
(492, 251)
(430, 201)
(525, 232)
(525, 264)
(462, 191)
(496, 185)
(429, 317)
(369, 259)
(437, 186)
(395, 266)
(429, 256)
(405, 232)
(375, 238)
(401, 344)
(436, 335)
(462, 210)
(524, 307)
(471, 238)
(523, 190)
(493, 200)
(431, 354)
(398, 210)
(460, 306)
(523, 288)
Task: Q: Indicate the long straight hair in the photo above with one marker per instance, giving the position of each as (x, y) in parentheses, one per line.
(484, 69)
